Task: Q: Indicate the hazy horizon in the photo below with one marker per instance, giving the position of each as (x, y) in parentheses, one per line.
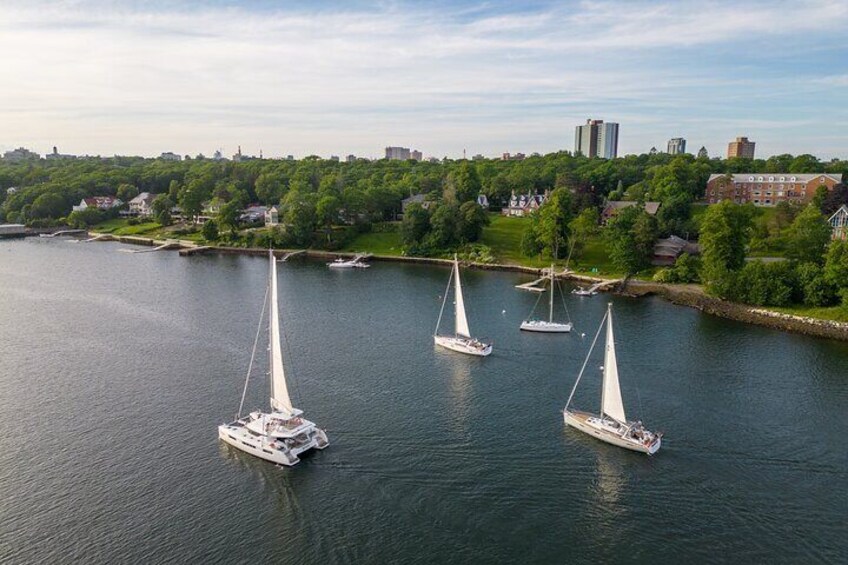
(332, 78)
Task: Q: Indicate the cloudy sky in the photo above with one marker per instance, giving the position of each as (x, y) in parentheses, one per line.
(106, 77)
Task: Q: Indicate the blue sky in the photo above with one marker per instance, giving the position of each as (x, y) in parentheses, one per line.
(328, 78)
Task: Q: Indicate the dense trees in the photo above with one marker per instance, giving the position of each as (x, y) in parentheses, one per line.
(630, 237)
(725, 232)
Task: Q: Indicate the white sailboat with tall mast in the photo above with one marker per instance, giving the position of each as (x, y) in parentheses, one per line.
(282, 434)
(611, 424)
(547, 326)
(461, 341)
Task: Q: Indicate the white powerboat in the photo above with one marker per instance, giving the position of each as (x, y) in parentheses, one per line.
(355, 263)
(611, 424)
(461, 341)
(283, 433)
(547, 326)
(580, 291)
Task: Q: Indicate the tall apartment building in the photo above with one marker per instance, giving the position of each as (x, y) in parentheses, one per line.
(597, 139)
(416, 154)
(741, 148)
(676, 146)
(767, 189)
(397, 153)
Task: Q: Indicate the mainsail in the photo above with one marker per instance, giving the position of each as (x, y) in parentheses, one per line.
(461, 320)
(279, 391)
(611, 404)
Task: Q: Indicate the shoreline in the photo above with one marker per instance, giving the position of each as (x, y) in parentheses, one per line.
(691, 296)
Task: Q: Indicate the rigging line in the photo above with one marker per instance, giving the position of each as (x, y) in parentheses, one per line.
(253, 353)
(293, 372)
(586, 361)
(444, 301)
(562, 298)
(536, 305)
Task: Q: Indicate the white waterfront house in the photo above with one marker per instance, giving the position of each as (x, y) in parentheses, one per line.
(524, 204)
(272, 216)
(100, 202)
(142, 205)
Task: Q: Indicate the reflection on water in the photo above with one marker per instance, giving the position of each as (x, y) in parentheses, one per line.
(434, 457)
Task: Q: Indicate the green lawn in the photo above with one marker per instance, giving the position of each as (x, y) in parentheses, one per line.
(835, 313)
(121, 226)
(377, 242)
(503, 235)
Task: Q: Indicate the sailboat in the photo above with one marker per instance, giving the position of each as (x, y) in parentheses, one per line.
(283, 433)
(547, 326)
(461, 341)
(611, 424)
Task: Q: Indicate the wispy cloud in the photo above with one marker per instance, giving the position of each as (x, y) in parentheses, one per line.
(112, 77)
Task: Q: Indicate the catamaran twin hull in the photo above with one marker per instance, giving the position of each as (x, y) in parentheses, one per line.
(631, 436)
(277, 450)
(469, 346)
(543, 326)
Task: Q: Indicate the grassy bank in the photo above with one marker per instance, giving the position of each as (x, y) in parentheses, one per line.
(833, 313)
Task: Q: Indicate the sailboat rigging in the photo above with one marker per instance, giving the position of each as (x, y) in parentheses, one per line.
(610, 424)
(281, 434)
(548, 326)
(461, 341)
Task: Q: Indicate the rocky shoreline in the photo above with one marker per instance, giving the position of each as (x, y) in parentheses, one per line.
(682, 295)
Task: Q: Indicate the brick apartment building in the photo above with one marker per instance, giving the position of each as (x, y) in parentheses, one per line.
(767, 189)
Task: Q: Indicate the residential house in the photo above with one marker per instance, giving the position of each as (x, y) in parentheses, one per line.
(254, 213)
(272, 216)
(666, 251)
(101, 202)
(416, 199)
(767, 189)
(524, 204)
(613, 207)
(142, 205)
(839, 222)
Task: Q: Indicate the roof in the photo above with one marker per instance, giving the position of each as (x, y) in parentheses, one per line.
(777, 177)
(143, 197)
(650, 207)
(843, 210)
(415, 198)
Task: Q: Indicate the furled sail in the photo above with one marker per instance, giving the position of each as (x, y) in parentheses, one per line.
(461, 320)
(279, 391)
(611, 394)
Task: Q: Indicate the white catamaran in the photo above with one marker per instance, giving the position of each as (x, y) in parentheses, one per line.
(547, 326)
(611, 424)
(282, 434)
(461, 341)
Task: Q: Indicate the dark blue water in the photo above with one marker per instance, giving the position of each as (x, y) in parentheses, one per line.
(116, 368)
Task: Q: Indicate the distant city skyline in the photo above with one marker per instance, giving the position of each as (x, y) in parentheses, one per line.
(105, 77)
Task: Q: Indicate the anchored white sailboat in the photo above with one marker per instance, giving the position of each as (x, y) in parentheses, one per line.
(547, 326)
(461, 341)
(611, 424)
(281, 434)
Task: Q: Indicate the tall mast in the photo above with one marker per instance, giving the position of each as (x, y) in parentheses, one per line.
(551, 309)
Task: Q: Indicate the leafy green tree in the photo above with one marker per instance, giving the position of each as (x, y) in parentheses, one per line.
(836, 264)
(808, 236)
(191, 199)
(327, 213)
(209, 231)
(815, 289)
(444, 227)
(551, 229)
(820, 197)
(630, 238)
(298, 212)
(48, 205)
(82, 219)
(415, 225)
(126, 192)
(464, 182)
(674, 215)
(162, 209)
(583, 228)
(228, 216)
(765, 284)
(472, 221)
(268, 187)
(724, 234)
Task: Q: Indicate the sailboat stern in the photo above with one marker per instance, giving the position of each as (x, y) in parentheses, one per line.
(467, 345)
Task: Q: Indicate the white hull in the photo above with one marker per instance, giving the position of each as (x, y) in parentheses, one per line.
(348, 265)
(605, 431)
(469, 346)
(582, 292)
(545, 327)
(273, 449)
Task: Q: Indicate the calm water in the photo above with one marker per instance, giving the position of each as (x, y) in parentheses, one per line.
(115, 369)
